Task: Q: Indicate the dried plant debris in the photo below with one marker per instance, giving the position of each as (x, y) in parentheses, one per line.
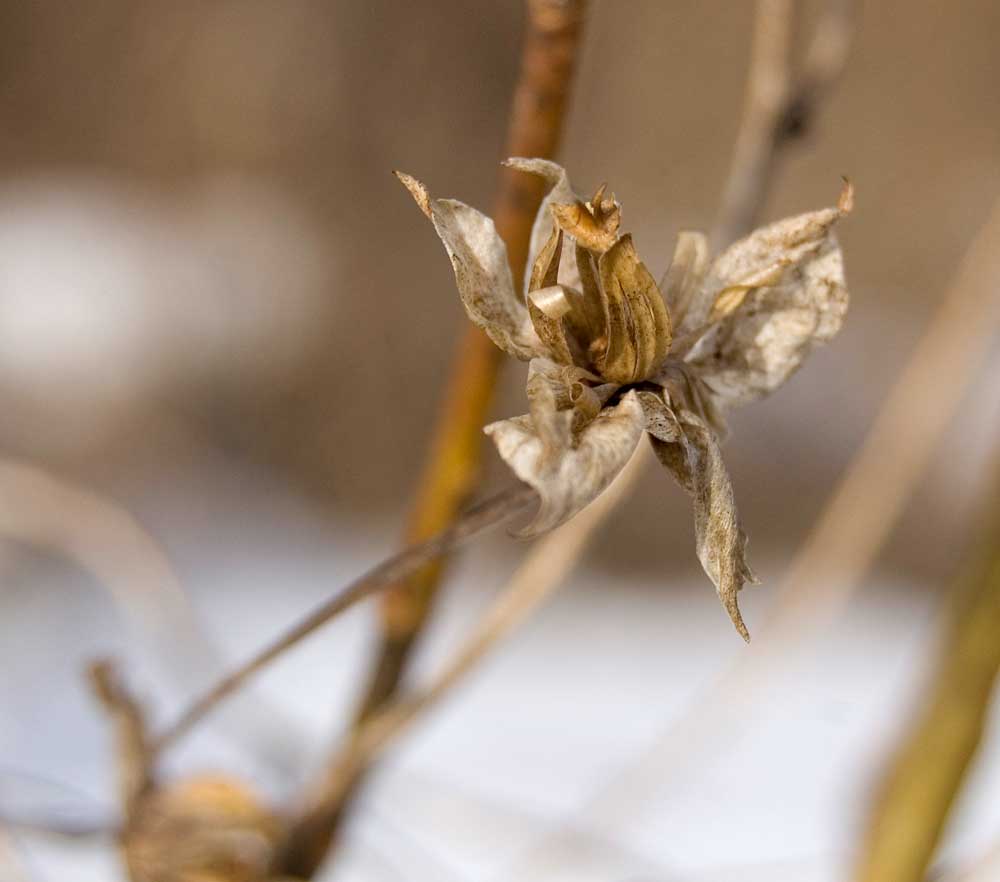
(612, 355)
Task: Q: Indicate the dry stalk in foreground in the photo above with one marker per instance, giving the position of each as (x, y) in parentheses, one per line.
(930, 766)
(489, 513)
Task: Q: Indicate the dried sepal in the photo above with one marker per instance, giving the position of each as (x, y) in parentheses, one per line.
(566, 388)
(482, 273)
(695, 461)
(636, 319)
(568, 483)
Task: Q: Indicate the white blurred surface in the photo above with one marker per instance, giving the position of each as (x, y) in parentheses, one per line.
(480, 789)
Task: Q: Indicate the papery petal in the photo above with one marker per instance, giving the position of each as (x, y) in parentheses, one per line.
(547, 309)
(696, 463)
(482, 273)
(761, 259)
(569, 482)
(559, 191)
(636, 318)
(759, 345)
(683, 278)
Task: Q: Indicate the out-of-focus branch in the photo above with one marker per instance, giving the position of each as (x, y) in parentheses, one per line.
(554, 31)
(487, 514)
(44, 511)
(132, 749)
(780, 103)
(930, 766)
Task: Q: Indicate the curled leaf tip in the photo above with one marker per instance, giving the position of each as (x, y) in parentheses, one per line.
(733, 608)
(845, 203)
(417, 190)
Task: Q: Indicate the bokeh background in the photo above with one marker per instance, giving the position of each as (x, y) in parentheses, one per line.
(219, 310)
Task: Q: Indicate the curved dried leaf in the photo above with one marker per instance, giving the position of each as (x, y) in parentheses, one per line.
(482, 273)
(695, 461)
(761, 259)
(571, 481)
(636, 318)
(764, 340)
(559, 191)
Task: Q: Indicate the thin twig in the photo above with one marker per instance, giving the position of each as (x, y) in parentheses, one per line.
(780, 104)
(487, 514)
(132, 750)
(553, 34)
(931, 764)
(542, 571)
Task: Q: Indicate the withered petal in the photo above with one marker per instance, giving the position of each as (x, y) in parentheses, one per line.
(755, 348)
(569, 482)
(636, 319)
(684, 276)
(695, 461)
(761, 259)
(559, 191)
(482, 273)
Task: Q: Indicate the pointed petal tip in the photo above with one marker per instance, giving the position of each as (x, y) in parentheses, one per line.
(845, 203)
(732, 607)
(417, 190)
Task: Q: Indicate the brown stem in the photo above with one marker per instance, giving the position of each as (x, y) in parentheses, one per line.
(389, 572)
(134, 756)
(553, 33)
(932, 762)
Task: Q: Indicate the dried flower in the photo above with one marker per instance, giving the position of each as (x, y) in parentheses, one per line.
(611, 357)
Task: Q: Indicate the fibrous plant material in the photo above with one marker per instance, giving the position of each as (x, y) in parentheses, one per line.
(202, 828)
(933, 761)
(613, 356)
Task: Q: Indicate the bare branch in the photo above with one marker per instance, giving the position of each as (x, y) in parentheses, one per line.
(493, 511)
(780, 103)
(542, 571)
(133, 754)
(931, 764)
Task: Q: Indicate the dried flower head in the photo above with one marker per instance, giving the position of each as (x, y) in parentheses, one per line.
(613, 356)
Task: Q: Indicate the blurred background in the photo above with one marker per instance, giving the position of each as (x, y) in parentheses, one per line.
(220, 311)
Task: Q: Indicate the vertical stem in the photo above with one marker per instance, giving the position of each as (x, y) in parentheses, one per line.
(554, 30)
(930, 766)
(551, 43)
